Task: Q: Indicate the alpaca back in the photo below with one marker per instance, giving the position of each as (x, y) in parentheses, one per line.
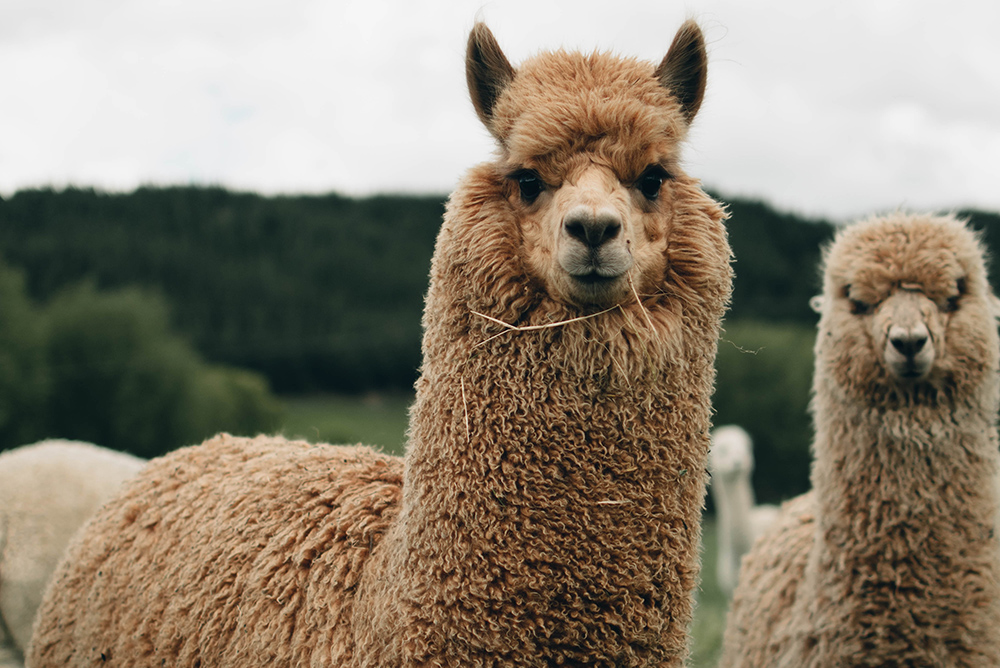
(247, 535)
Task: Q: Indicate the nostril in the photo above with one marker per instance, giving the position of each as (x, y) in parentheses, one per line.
(909, 345)
(593, 232)
(611, 231)
(577, 230)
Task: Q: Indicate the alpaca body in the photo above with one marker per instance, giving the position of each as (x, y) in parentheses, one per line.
(251, 563)
(47, 491)
(891, 559)
(547, 509)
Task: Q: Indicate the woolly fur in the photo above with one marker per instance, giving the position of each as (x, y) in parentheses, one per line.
(47, 491)
(547, 511)
(892, 558)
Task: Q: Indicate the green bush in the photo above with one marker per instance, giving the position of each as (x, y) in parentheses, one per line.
(764, 383)
(122, 379)
(23, 374)
(233, 400)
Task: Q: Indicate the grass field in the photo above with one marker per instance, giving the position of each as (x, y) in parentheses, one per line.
(380, 420)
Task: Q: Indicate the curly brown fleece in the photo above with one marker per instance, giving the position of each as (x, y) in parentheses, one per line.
(547, 510)
(891, 560)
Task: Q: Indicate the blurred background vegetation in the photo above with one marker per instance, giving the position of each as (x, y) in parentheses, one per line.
(148, 320)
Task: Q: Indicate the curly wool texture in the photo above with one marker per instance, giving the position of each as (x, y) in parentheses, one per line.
(47, 491)
(548, 508)
(242, 548)
(892, 558)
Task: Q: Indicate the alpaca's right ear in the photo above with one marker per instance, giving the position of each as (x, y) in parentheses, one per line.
(487, 71)
(684, 70)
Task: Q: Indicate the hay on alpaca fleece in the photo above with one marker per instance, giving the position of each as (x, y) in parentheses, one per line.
(47, 491)
(547, 509)
(891, 559)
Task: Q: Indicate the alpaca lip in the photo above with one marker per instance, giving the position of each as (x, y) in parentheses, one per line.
(909, 369)
(912, 372)
(594, 278)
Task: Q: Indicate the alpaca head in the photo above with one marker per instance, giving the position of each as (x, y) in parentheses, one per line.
(731, 453)
(589, 156)
(907, 309)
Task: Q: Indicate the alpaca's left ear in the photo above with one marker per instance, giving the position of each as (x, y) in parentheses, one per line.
(487, 71)
(684, 70)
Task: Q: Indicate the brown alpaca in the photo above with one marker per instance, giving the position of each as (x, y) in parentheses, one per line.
(547, 510)
(891, 560)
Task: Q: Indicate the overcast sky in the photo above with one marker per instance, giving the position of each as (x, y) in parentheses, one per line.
(836, 108)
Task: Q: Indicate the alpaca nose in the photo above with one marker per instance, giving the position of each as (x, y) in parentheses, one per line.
(908, 342)
(592, 228)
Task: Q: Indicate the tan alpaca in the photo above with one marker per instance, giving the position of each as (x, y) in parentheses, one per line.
(891, 560)
(547, 509)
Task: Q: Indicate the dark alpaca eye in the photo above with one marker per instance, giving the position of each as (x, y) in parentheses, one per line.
(859, 307)
(951, 305)
(530, 184)
(650, 182)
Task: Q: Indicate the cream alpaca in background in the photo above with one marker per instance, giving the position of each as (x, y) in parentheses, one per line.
(548, 508)
(739, 521)
(47, 491)
(892, 558)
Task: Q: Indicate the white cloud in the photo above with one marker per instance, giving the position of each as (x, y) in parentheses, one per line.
(832, 109)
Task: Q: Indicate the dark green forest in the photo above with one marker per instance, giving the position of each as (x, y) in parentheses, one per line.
(296, 294)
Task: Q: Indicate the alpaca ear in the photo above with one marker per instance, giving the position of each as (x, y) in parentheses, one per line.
(684, 70)
(487, 71)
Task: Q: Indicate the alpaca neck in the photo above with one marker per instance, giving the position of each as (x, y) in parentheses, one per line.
(882, 472)
(557, 491)
(734, 502)
(555, 474)
(907, 502)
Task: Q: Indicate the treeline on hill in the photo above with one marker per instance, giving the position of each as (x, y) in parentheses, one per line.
(105, 367)
(325, 293)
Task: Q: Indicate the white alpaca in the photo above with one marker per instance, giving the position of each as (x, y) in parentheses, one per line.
(47, 491)
(739, 520)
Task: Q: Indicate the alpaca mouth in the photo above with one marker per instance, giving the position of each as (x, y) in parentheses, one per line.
(595, 287)
(595, 278)
(910, 370)
(596, 269)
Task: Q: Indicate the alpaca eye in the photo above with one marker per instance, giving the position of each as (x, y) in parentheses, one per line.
(859, 307)
(530, 184)
(650, 182)
(951, 304)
